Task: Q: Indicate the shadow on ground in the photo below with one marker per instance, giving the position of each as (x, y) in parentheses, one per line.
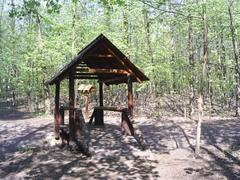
(9, 113)
(113, 156)
(119, 156)
(220, 138)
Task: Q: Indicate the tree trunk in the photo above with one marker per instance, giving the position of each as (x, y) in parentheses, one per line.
(107, 17)
(74, 11)
(13, 66)
(202, 78)
(39, 33)
(46, 90)
(127, 36)
(192, 65)
(47, 101)
(1, 17)
(237, 73)
(223, 69)
(149, 50)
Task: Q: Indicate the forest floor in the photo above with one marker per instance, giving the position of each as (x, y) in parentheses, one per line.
(28, 152)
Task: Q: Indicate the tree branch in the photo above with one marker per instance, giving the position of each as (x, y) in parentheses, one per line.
(168, 11)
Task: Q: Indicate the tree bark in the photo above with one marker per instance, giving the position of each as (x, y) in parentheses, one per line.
(223, 68)
(1, 17)
(12, 67)
(149, 50)
(202, 77)
(235, 53)
(192, 66)
(74, 18)
(127, 36)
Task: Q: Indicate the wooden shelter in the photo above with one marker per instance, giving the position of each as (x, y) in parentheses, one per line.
(102, 61)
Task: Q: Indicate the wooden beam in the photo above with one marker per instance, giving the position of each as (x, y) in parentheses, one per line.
(86, 77)
(100, 77)
(114, 79)
(117, 109)
(100, 55)
(71, 107)
(83, 65)
(130, 96)
(71, 66)
(120, 61)
(101, 71)
(79, 73)
(98, 74)
(56, 111)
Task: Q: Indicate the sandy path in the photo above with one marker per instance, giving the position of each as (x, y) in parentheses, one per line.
(169, 154)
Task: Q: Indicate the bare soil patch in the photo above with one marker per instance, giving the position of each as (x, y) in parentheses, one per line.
(29, 151)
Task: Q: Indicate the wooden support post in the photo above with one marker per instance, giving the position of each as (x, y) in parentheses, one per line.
(130, 96)
(56, 111)
(61, 111)
(101, 94)
(71, 107)
(99, 119)
(126, 124)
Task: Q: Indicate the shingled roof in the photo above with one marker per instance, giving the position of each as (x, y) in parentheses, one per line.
(103, 61)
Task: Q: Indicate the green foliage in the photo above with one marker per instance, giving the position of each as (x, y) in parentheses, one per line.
(53, 6)
(112, 2)
(154, 34)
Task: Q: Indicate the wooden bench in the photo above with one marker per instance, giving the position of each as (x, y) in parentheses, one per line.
(98, 114)
(126, 124)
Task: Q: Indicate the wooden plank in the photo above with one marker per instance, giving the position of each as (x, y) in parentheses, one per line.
(101, 55)
(121, 61)
(104, 64)
(85, 77)
(100, 76)
(78, 73)
(56, 111)
(114, 79)
(71, 107)
(78, 59)
(82, 65)
(103, 43)
(117, 109)
(116, 52)
(101, 71)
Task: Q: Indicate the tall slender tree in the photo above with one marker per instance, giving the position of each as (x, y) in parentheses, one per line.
(204, 62)
(236, 58)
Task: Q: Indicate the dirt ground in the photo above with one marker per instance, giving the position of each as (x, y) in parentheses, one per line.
(29, 151)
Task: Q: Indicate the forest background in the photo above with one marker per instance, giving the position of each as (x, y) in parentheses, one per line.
(188, 48)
